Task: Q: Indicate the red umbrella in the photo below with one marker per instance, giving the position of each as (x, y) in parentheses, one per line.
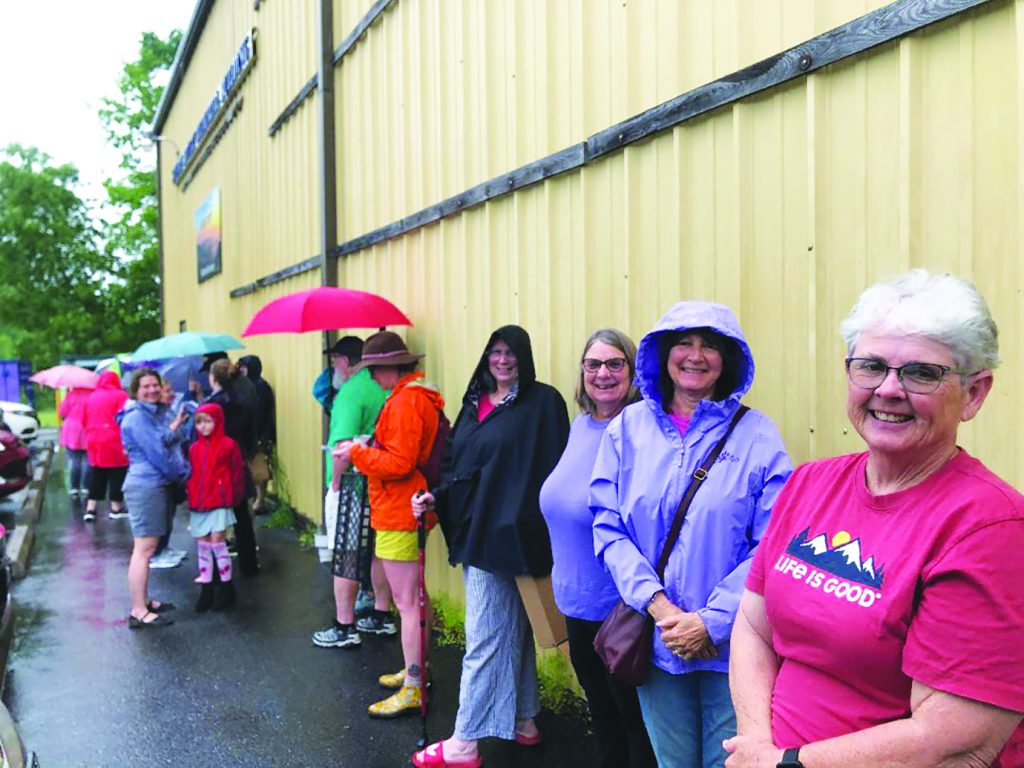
(325, 309)
(68, 376)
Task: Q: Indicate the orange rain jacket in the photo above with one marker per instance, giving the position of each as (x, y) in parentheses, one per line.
(402, 441)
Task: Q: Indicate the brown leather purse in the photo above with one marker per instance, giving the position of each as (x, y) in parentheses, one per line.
(625, 640)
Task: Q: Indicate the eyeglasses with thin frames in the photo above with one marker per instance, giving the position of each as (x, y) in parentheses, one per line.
(613, 364)
(915, 378)
(498, 354)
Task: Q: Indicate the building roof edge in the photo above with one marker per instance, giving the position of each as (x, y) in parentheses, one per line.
(181, 61)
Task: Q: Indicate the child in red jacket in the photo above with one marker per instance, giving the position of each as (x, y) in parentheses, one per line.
(216, 485)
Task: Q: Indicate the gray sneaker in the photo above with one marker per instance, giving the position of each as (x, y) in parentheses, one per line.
(164, 560)
(377, 623)
(333, 637)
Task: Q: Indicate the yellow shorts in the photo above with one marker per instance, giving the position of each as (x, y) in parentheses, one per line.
(396, 545)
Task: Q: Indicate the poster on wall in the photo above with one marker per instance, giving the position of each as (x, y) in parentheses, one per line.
(208, 235)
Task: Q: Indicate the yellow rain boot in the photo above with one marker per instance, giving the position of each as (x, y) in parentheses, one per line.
(397, 680)
(394, 681)
(405, 701)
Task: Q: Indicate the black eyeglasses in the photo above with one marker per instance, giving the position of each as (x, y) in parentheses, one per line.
(593, 365)
(916, 378)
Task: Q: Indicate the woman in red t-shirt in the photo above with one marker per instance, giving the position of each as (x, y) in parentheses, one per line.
(883, 615)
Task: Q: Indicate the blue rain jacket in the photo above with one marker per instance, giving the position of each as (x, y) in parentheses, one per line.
(644, 466)
(154, 452)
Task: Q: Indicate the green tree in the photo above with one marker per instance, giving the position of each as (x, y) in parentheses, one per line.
(54, 271)
(132, 237)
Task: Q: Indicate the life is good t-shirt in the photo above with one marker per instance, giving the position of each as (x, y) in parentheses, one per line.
(866, 593)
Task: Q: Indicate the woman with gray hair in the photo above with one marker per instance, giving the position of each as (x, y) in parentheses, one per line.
(584, 591)
(883, 615)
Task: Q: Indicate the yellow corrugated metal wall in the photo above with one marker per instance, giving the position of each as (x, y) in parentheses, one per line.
(784, 206)
(269, 188)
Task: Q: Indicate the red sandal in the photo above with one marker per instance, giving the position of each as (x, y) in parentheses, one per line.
(529, 741)
(433, 757)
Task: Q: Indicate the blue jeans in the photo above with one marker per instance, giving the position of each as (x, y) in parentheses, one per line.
(687, 717)
(78, 468)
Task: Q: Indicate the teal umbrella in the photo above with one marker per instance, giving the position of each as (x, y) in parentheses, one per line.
(187, 343)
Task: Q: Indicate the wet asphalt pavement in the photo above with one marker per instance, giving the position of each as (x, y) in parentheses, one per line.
(241, 688)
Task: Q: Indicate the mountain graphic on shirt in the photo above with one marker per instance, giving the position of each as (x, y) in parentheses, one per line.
(846, 561)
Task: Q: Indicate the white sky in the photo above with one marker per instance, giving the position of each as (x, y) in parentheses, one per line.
(58, 59)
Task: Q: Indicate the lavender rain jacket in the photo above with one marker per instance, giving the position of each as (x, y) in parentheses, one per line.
(643, 468)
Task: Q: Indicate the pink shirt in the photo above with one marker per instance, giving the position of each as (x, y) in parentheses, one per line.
(865, 593)
(484, 407)
(681, 422)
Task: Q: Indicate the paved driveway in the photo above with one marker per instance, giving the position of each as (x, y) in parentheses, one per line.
(245, 688)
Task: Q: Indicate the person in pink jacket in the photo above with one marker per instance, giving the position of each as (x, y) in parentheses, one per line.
(72, 438)
(108, 461)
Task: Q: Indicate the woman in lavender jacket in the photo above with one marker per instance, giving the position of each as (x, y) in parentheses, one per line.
(584, 591)
(692, 370)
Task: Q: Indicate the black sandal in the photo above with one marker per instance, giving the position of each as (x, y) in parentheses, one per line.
(159, 621)
(161, 608)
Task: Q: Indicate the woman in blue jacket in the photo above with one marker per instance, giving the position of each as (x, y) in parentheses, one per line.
(155, 464)
(692, 370)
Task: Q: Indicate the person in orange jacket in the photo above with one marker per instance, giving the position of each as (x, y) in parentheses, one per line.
(403, 442)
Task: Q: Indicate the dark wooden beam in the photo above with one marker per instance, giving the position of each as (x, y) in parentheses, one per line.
(878, 27)
(337, 55)
(364, 24)
(293, 106)
(881, 26)
(545, 168)
(314, 262)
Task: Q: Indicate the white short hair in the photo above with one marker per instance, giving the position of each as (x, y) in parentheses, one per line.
(942, 307)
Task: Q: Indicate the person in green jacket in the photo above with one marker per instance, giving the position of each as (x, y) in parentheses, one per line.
(354, 414)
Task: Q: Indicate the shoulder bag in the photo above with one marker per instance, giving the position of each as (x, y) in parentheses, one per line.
(626, 637)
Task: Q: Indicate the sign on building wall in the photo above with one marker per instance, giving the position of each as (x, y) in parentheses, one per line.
(208, 235)
(239, 69)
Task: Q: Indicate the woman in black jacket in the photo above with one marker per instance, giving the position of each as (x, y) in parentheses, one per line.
(508, 437)
(235, 395)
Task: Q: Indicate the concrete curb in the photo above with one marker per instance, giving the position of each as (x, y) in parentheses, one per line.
(19, 545)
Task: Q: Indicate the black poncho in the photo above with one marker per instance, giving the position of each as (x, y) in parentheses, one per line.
(492, 471)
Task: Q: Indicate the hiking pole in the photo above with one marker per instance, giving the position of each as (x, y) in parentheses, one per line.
(421, 541)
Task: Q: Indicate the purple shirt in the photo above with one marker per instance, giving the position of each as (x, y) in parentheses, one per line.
(583, 589)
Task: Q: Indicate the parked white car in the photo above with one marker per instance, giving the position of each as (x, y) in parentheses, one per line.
(22, 419)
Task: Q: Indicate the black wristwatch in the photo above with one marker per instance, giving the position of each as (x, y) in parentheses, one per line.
(790, 759)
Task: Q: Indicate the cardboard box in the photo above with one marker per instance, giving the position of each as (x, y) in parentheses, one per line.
(547, 621)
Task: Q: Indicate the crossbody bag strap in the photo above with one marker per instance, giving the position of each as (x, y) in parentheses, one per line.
(691, 491)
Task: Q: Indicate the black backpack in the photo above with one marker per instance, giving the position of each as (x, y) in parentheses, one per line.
(431, 468)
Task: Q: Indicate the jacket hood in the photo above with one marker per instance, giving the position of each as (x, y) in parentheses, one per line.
(416, 382)
(109, 380)
(518, 341)
(688, 315)
(215, 412)
(253, 367)
(132, 405)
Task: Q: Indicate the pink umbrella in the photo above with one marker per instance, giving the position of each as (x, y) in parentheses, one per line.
(66, 376)
(325, 309)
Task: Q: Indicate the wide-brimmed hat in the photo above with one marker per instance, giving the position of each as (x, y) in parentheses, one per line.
(385, 348)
